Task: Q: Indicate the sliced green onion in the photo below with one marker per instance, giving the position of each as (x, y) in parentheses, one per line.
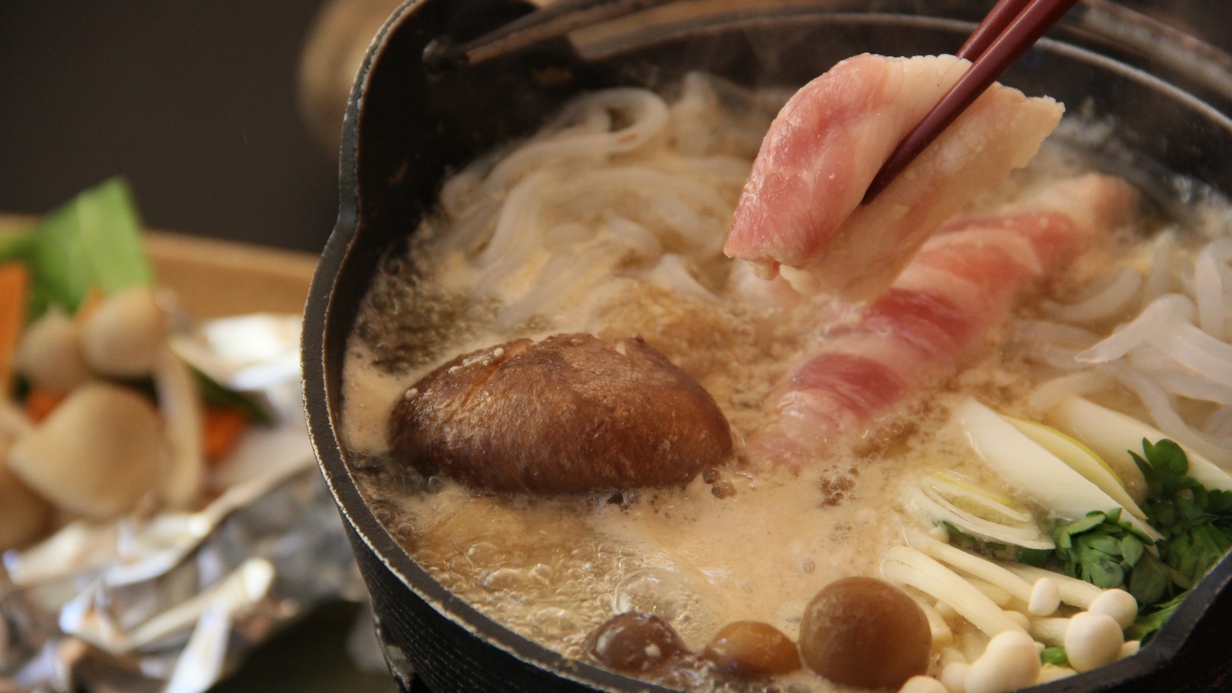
(1034, 471)
(1112, 435)
(936, 510)
(1081, 459)
(969, 497)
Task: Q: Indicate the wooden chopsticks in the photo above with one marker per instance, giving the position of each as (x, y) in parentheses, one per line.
(552, 21)
(1009, 29)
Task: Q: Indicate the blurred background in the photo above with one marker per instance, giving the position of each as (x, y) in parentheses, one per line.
(197, 103)
(214, 112)
(223, 114)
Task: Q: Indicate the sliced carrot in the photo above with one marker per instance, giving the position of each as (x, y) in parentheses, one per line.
(40, 403)
(223, 428)
(14, 284)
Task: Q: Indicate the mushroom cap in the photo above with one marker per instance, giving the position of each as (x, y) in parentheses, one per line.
(50, 353)
(23, 514)
(124, 335)
(96, 454)
(569, 414)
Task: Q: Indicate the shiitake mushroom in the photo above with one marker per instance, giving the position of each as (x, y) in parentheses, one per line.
(569, 414)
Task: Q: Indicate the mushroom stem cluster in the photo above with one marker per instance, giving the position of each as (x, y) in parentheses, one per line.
(1020, 608)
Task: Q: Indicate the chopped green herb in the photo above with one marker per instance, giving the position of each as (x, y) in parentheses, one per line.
(1099, 548)
(1151, 580)
(1196, 525)
(1196, 522)
(1151, 620)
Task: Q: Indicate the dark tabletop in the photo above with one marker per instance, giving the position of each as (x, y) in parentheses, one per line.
(193, 101)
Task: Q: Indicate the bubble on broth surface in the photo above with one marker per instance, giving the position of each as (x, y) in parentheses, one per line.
(670, 596)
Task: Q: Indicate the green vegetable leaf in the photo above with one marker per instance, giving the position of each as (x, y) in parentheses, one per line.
(16, 244)
(1151, 620)
(1101, 571)
(1165, 467)
(1196, 523)
(1092, 520)
(1106, 544)
(214, 393)
(1150, 580)
(1132, 549)
(94, 240)
(1219, 502)
(1098, 548)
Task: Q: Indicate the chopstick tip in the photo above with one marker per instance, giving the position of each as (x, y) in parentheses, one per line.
(441, 55)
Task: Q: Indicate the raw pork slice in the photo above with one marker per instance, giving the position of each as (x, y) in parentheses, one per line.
(801, 205)
(939, 313)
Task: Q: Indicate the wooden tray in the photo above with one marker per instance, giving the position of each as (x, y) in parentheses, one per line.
(216, 278)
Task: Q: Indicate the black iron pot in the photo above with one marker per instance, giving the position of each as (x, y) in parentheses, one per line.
(1160, 93)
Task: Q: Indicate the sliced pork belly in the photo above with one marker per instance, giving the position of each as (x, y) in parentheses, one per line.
(938, 313)
(801, 205)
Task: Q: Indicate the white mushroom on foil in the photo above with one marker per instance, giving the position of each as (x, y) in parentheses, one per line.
(106, 445)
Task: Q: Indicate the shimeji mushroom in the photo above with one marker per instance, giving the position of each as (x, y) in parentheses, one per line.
(1072, 591)
(95, 455)
(1118, 604)
(23, 514)
(1011, 661)
(954, 676)
(124, 335)
(1092, 640)
(1043, 597)
(904, 565)
(49, 354)
(860, 631)
(179, 402)
(922, 684)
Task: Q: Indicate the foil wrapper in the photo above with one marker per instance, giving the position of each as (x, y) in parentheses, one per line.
(173, 601)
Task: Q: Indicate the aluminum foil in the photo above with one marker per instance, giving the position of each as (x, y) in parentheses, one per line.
(173, 601)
